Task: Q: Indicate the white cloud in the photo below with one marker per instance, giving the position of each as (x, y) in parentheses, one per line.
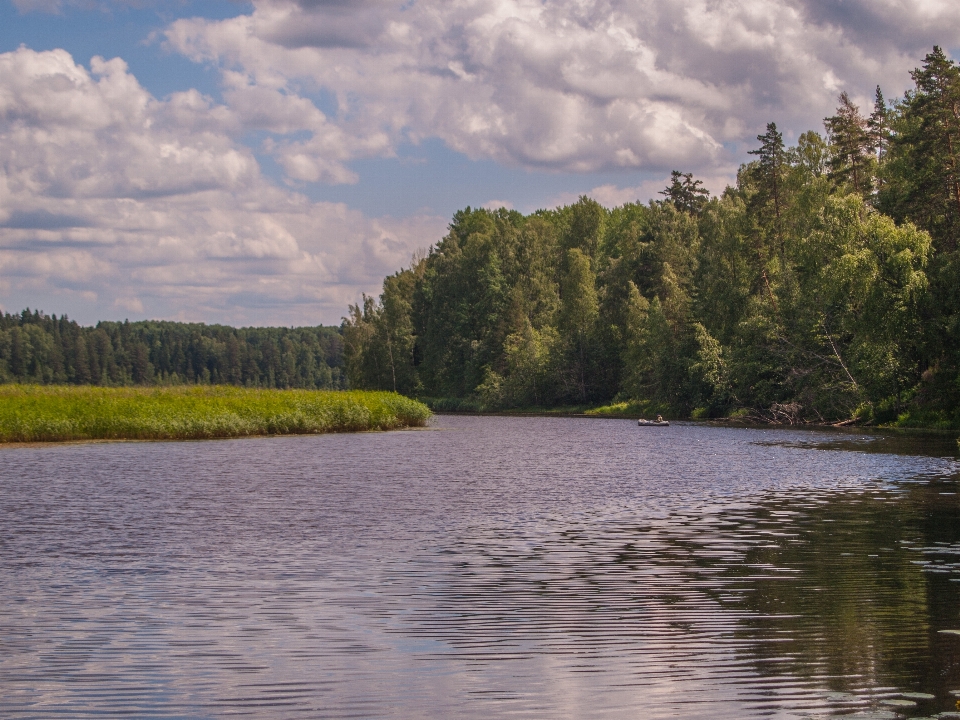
(57, 116)
(130, 304)
(611, 196)
(321, 158)
(570, 85)
(112, 196)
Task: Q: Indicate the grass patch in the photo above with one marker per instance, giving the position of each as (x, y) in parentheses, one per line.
(453, 405)
(473, 406)
(630, 409)
(35, 413)
(926, 418)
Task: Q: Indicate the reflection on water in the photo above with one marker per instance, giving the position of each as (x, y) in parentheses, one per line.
(537, 567)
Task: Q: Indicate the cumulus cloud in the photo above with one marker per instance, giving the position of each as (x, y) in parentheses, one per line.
(111, 196)
(56, 117)
(131, 202)
(571, 85)
(611, 195)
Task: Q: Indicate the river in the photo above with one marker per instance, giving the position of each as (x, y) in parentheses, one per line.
(483, 567)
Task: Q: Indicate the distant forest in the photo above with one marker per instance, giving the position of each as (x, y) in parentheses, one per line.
(824, 285)
(45, 349)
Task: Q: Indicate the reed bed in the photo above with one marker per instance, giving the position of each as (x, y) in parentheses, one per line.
(34, 413)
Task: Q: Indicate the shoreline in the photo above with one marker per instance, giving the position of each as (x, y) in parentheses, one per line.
(18, 445)
(718, 422)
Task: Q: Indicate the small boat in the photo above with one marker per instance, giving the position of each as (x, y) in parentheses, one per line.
(658, 423)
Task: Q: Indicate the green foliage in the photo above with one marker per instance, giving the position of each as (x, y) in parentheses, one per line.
(31, 413)
(528, 355)
(37, 348)
(579, 311)
(824, 285)
(379, 340)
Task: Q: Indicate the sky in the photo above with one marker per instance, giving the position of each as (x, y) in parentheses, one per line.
(267, 162)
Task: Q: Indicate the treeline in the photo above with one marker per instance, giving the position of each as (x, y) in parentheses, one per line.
(45, 349)
(824, 285)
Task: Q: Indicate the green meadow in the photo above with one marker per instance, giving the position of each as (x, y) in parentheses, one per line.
(35, 413)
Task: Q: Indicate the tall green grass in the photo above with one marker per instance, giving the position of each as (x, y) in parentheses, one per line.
(31, 413)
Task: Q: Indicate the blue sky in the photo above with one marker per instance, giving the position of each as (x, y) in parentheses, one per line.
(268, 162)
(118, 31)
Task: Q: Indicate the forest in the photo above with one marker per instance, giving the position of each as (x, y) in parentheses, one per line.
(823, 286)
(44, 349)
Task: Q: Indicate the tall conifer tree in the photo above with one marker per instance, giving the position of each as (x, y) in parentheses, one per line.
(851, 146)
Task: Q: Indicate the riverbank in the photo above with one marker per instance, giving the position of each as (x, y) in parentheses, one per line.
(33, 413)
(915, 423)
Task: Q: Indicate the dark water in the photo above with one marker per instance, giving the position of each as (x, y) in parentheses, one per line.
(490, 567)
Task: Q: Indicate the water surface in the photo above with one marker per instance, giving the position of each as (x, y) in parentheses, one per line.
(487, 567)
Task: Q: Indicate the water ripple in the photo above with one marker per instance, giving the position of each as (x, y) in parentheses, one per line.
(532, 567)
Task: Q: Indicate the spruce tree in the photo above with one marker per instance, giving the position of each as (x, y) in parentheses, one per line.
(685, 193)
(878, 125)
(933, 142)
(768, 183)
(850, 145)
(772, 158)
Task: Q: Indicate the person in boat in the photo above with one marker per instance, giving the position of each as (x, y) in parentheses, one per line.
(659, 418)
